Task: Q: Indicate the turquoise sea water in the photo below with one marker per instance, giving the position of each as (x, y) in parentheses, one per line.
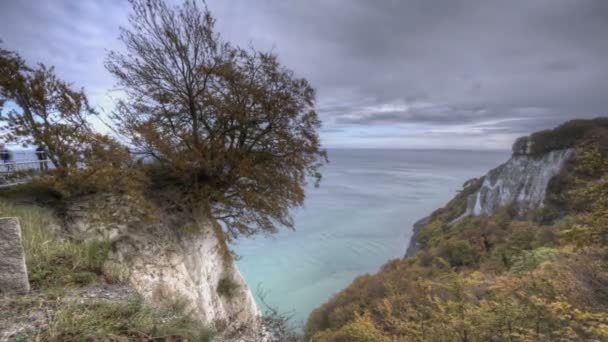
(359, 218)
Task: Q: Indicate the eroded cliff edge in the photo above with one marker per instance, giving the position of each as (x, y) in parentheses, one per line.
(521, 182)
(168, 259)
(173, 261)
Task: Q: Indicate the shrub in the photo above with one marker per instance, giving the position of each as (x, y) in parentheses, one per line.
(545, 236)
(566, 135)
(227, 287)
(458, 253)
(523, 234)
(529, 260)
(362, 329)
(425, 258)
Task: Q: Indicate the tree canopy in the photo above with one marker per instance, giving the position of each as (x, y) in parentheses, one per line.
(223, 129)
(229, 126)
(48, 111)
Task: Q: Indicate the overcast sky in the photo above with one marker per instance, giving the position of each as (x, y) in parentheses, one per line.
(471, 74)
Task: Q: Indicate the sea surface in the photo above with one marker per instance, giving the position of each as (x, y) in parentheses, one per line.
(359, 218)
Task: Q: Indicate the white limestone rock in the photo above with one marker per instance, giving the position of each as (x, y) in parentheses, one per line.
(169, 261)
(521, 181)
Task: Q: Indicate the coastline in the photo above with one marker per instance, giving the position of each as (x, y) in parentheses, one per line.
(413, 246)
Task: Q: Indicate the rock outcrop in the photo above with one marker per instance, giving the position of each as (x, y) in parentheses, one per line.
(13, 273)
(169, 261)
(522, 181)
(413, 246)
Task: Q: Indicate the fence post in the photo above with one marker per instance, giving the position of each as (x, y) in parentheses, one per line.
(13, 271)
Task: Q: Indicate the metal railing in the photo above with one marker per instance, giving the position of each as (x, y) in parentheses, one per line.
(13, 163)
(15, 166)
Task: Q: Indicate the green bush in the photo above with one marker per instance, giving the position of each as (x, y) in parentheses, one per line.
(546, 215)
(566, 135)
(529, 260)
(458, 253)
(227, 287)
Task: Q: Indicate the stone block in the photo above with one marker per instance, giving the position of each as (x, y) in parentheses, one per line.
(13, 272)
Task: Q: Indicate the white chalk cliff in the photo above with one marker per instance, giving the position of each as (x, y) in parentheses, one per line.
(169, 262)
(522, 181)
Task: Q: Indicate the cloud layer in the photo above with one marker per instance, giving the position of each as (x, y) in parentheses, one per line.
(418, 73)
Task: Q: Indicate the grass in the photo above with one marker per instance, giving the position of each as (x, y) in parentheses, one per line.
(120, 321)
(50, 261)
(55, 265)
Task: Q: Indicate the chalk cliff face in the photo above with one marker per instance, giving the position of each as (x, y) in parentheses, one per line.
(521, 181)
(170, 262)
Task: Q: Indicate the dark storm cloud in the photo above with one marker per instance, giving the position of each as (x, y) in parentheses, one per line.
(424, 67)
(445, 50)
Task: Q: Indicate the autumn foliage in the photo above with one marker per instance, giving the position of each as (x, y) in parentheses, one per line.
(49, 112)
(504, 277)
(201, 125)
(229, 127)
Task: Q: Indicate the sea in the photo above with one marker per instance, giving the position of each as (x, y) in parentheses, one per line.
(359, 218)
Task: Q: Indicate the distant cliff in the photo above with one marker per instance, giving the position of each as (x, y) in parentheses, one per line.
(530, 236)
(522, 181)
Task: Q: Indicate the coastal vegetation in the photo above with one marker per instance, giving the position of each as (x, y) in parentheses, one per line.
(509, 276)
(205, 126)
(203, 130)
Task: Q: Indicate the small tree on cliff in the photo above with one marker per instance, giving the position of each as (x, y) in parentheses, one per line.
(230, 127)
(48, 112)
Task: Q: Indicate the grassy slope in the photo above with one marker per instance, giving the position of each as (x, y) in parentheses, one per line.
(497, 278)
(61, 272)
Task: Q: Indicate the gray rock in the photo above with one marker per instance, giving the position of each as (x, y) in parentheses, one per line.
(414, 246)
(13, 272)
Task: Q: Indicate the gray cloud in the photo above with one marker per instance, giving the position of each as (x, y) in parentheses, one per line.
(425, 68)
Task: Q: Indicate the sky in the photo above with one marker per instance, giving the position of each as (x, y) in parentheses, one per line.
(455, 74)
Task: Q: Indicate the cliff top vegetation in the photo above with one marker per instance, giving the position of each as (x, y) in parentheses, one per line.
(204, 126)
(566, 135)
